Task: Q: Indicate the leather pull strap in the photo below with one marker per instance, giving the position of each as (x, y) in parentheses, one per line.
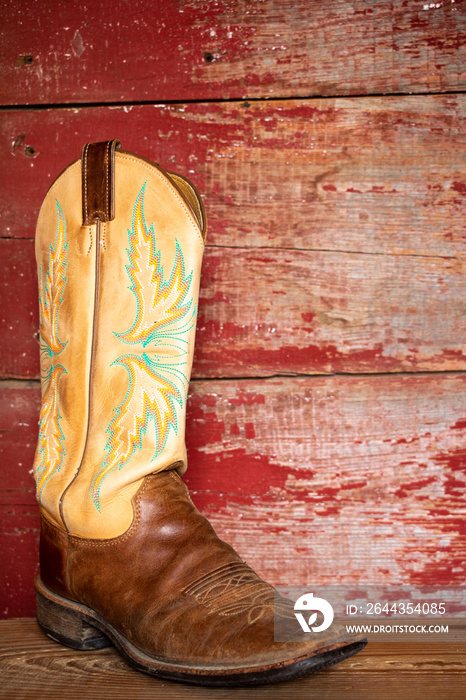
(98, 181)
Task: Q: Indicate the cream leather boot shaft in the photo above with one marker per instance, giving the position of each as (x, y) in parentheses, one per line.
(119, 278)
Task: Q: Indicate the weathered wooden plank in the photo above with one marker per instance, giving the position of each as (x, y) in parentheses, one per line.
(19, 514)
(19, 546)
(19, 414)
(267, 312)
(34, 667)
(19, 315)
(353, 480)
(264, 312)
(374, 175)
(70, 52)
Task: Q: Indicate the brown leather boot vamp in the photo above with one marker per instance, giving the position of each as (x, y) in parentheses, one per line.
(174, 599)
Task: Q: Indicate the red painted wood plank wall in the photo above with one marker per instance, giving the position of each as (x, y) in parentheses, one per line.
(326, 419)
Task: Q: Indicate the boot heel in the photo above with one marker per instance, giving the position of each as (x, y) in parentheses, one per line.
(67, 626)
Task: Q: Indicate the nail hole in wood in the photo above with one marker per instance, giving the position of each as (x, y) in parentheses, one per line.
(26, 60)
(30, 152)
(209, 57)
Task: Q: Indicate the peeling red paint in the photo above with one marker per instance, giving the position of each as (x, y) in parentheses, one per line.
(244, 398)
(209, 399)
(380, 189)
(217, 298)
(459, 187)
(454, 461)
(354, 486)
(205, 426)
(249, 431)
(461, 423)
(414, 486)
(312, 357)
(328, 491)
(217, 329)
(331, 510)
(234, 471)
(454, 354)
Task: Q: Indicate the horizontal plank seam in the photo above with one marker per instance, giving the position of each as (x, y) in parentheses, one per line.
(298, 375)
(219, 100)
(301, 250)
(197, 492)
(15, 383)
(331, 250)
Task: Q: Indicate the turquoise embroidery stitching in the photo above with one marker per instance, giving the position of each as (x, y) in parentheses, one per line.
(156, 384)
(51, 437)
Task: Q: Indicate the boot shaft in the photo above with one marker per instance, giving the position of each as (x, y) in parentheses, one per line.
(119, 245)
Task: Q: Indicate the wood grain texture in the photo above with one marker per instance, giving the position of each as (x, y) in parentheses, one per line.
(352, 480)
(264, 312)
(374, 175)
(34, 667)
(19, 547)
(56, 52)
(19, 314)
(19, 418)
(19, 513)
(360, 479)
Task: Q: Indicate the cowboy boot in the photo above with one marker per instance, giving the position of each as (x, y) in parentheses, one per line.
(125, 557)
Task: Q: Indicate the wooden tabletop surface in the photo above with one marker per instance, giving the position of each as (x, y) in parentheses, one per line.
(33, 666)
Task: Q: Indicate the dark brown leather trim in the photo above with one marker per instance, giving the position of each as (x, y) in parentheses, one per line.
(53, 558)
(98, 181)
(191, 195)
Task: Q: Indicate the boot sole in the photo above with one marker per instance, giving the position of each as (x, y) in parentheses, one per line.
(79, 627)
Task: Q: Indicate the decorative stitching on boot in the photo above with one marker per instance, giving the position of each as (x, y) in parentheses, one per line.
(177, 478)
(158, 385)
(166, 180)
(107, 161)
(84, 541)
(233, 590)
(86, 149)
(107, 177)
(90, 236)
(102, 240)
(51, 448)
(64, 174)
